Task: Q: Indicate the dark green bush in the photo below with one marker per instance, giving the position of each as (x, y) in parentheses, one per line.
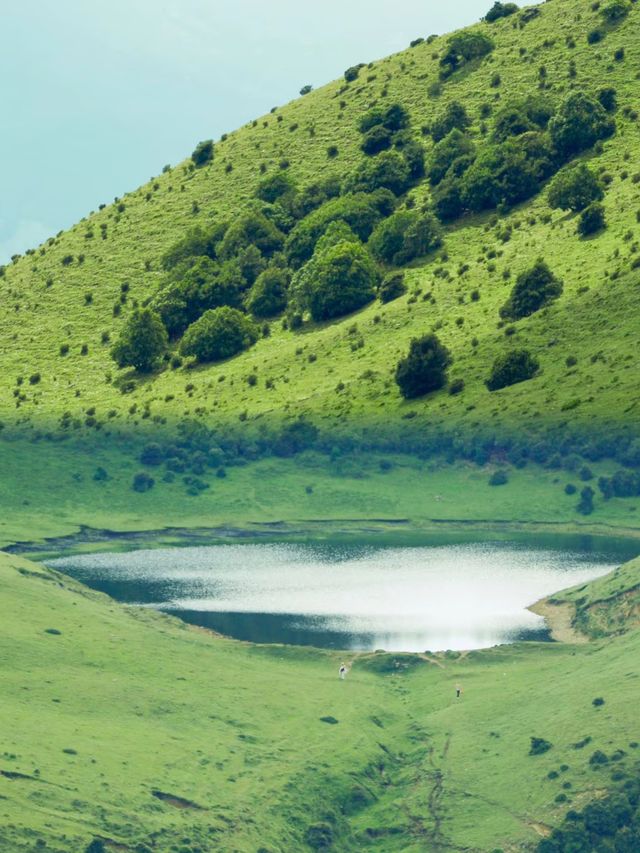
(253, 228)
(511, 368)
(578, 124)
(424, 369)
(499, 478)
(393, 118)
(352, 73)
(336, 281)
(454, 117)
(462, 48)
(220, 333)
(268, 296)
(530, 113)
(570, 489)
(585, 505)
(500, 10)
(198, 241)
(574, 188)
(388, 170)
(454, 148)
(275, 186)
(392, 287)
(608, 98)
(534, 288)
(203, 153)
(592, 219)
(142, 341)
(319, 836)
(376, 140)
(405, 235)
(539, 746)
(142, 482)
(615, 11)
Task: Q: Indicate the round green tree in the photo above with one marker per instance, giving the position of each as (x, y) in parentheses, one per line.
(512, 367)
(424, 369)
(405, 235)
(574, 188)
(142, 341)
(203, 153)
(220, 333)
(336, 281)
(579, 123)
(268, 296)
(534, 288)
(592, 219)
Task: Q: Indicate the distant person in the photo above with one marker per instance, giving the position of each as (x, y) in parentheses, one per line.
(342, 671)
(458, 691)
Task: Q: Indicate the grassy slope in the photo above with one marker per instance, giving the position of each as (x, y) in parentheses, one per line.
(43, 306)
(36, 319)
(148, 704)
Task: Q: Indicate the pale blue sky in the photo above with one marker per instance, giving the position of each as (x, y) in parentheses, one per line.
(99, 94)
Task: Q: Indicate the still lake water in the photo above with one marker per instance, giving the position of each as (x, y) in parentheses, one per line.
(365, 595)
(357, 595)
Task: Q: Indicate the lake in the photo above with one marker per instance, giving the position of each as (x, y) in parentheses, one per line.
(356, 595)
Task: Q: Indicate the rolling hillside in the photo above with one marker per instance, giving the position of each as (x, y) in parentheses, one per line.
(330, 385)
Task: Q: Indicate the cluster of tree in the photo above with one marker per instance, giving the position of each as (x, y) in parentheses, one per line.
(609, 823)
(529, 144)
(623, 484)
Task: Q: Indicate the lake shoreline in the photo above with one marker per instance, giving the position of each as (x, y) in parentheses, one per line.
(88, 540)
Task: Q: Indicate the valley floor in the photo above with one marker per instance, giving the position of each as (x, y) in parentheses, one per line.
(127, 726)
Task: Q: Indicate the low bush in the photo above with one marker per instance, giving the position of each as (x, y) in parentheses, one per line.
(499, 478)
(392, 287)
(142, 482)
(574, 188)
(424, 369)
(142, 341)
(268, 296)
(454, 117)
(203, 153)
(511, 368)
(539, 746)
(534, 288)
(501, 10)
(464, 47)
(578, 124)
(592, 219)
(220, 333)
(404, 236)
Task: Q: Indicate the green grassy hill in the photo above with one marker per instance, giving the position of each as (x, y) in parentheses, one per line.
(65, 303)
(129, 727)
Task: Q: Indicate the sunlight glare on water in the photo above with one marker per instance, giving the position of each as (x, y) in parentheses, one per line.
(410, 598)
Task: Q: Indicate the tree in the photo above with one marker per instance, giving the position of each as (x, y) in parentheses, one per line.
(268, 296)
(579, 123)
(424, 369)
(218, 334)
(574, 188)
(615, 11)
(448, 151)
(203, 153)
(198, 241)
(376, 140)
(253, 228)
(511, 368)
(336, 281)
(275, 186)
(532, 112)
(393, 118)
(405, 235)
(392, 287)
(592, 219)
(447, 199)
(454, 117)
(142, 341)
(464, 47)
(500, 10)
(534, 288)
(585, 505)
(388, 170)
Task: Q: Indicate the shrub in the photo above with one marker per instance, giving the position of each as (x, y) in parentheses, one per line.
(454, 117)
(585, 505)
(578, 124)
(361, 213)
(319, 836)
(592, 219)
(511, 368)
(464, 47)
(376, 140)
(500, 10)
(608, 98)
(268, 296)
(220, 333)
(392, 287)
(570, 489)
(388, 170)
(533, 289)
(203, 153)
(448, 152)
(405, 235)
(530, 113)
(336, 281)
(424, 369)
(615, 10)
(456, 387)
(499, 478)
(352, 73)
(152, 454)
(275, 186)
(539, 746)
(574, 188)
(142, 341)
(251, 229)
(447, 199)
(306, 90)
(142, 482)
(198, 241)
(393, 118)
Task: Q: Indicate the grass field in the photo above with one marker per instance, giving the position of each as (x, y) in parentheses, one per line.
(104, 705)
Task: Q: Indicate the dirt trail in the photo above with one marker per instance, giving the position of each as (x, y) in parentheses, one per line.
(559, 618)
